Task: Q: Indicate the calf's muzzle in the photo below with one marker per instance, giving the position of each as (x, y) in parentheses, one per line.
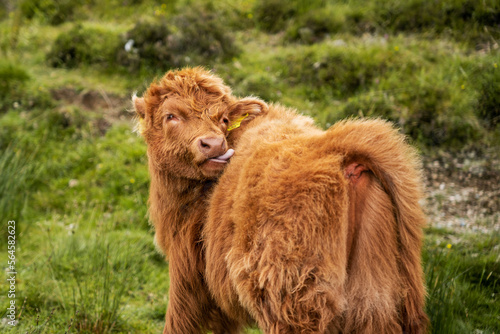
(212, 147)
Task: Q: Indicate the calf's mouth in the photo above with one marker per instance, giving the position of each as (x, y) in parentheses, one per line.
(223, 159)
(212, 167)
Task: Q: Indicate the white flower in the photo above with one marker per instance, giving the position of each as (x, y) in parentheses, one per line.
(129, 45)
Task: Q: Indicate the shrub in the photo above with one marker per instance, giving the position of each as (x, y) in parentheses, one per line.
(433, 101)
(316, 24)
(13, 80)
(194, 37)
(202, 33)
(272, 15)
(261, 84)
(276, 15)
(374, 105)
(463, 19)
(53, 11)
(426, 109)
(149, 45)
(488, 104)
(17, 89)
(345, 75)
(334, 70)
(3, 10)
(83, 45)
(309, 22)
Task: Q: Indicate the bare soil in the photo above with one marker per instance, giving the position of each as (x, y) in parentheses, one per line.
(463, 190)
(113, 107)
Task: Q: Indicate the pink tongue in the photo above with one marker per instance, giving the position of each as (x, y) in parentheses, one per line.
(226, 155)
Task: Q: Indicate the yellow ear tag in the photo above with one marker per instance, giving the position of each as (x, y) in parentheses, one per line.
(139, 128)
(237, 123)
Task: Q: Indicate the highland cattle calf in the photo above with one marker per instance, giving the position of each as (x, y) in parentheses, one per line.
(306, 231)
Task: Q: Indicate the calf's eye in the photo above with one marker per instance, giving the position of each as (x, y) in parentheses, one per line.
(170, 117)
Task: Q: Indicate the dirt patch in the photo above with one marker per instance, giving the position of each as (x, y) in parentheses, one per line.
(115, 106)
(107, 108)
(463, 191)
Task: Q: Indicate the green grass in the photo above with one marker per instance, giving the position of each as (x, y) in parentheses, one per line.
(76, 181)
(463, 282)
(84, 246)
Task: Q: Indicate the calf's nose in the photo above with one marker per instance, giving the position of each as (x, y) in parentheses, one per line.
(212, 147)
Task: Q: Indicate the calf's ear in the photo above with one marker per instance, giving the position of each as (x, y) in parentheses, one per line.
(140, 106)
(141, 121)
(246, 109)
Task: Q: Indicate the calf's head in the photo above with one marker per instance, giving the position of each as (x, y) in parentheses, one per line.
(184, 119)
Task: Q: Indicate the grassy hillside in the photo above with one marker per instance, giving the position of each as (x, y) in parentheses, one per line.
(74, 178)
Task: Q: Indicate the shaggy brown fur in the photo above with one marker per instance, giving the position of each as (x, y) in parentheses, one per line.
(307, 231)
(176, 114)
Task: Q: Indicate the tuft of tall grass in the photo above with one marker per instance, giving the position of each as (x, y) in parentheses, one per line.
(16, 178)
(462, 283)
(87, 276)
(442, 291)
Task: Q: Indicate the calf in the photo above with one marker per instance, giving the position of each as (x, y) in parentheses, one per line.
(307, 231)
